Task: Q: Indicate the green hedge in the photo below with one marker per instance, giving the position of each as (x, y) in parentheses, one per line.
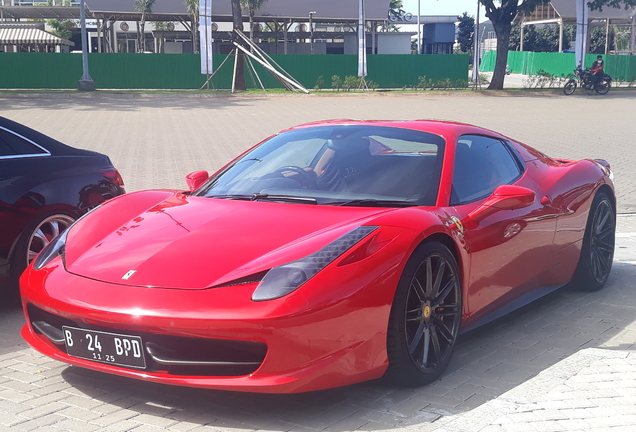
(620, 67)
(182, 71)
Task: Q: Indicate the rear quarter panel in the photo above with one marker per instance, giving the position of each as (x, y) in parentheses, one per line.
(571, 187)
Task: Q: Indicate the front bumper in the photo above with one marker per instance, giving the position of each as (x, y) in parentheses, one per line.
(297, 343)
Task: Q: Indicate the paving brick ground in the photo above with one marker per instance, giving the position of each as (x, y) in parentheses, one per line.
(565, 362)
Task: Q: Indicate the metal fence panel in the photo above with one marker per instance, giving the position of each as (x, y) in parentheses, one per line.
(182, 71)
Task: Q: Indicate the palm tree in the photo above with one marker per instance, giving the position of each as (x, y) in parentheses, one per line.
(145, 7)
(252, 6)
(192, 6)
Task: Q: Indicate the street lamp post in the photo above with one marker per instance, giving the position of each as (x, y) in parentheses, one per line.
(311, 30)
(419, 29)
(86, 82)
(476, 48)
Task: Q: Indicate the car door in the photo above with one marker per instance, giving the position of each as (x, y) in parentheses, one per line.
(17, 206)
(508, 249)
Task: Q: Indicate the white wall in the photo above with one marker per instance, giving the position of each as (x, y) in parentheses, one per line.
(394, 43)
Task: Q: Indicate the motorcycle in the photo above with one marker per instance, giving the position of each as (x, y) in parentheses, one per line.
(588, 82)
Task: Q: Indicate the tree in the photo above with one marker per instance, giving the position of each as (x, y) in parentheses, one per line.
(501, 18)
(541, 39)
(252, 6)
(192, 7)
(237, 24)
(599, 4)
(145, 7)
(61, 28)
(465, 32)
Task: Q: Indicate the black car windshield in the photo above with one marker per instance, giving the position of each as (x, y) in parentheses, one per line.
(355, 165)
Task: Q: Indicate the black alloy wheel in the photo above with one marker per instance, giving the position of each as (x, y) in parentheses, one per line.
(425, 317)
(569, 87)
(597, 252)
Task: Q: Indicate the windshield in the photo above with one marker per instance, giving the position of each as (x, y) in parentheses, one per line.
(337, 165)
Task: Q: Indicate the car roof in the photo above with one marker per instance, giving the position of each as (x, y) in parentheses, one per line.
(447, 129)
(53, 146)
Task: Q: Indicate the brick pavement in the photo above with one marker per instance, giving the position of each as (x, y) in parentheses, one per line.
(156, 140)
(565, 362)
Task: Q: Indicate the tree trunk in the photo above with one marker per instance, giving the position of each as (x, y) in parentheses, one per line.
(502, 30)
(195, 34)
(138, 37)
(142, 35)
(252, 24)
(237, 24)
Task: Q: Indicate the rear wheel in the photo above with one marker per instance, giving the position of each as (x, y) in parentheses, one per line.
(597, 252)
(425, 317)
(569, 87)
(603, 86)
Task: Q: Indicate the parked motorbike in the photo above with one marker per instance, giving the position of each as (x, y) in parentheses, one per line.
(586, 80)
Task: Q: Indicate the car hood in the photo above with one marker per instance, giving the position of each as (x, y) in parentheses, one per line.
(173, 240)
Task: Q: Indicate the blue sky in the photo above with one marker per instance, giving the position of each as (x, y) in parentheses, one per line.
(443, 7)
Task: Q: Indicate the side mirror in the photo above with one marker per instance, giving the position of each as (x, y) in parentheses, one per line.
(505, 197)
(196, 179)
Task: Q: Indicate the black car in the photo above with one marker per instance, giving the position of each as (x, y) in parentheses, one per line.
(44, 186)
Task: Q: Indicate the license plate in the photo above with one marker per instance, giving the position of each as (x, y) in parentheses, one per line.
(104, 347)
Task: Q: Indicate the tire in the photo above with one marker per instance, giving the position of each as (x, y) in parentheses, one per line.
(569, 87)
(603, 86)
(597, 251)
(425, 317)
(35, 237)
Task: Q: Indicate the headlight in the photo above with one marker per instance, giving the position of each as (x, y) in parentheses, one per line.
(56, 247)
(284, 279)
(53, 249)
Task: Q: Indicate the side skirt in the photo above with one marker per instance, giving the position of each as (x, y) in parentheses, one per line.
(513, 305)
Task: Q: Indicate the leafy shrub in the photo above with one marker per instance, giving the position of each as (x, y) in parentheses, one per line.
(336, 82)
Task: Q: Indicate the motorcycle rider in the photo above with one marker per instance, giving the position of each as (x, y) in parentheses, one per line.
(597, 69)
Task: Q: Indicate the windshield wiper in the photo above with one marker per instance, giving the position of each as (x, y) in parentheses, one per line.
(284, 198)
(231, 197)
(370, 202)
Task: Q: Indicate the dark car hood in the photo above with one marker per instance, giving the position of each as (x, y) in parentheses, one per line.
(172, 240)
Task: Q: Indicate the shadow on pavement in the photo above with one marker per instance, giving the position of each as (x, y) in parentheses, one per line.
(488, 362)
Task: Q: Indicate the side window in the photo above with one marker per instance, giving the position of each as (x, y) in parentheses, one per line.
(17, 144)
(481, 164)
(5, 150)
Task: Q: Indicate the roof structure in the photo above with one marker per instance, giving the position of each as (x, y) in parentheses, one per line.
(40, 12)
(29, 34)
(175, 10)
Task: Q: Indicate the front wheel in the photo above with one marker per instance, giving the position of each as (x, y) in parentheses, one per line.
(603, 86)
(597, 252)
(569, 87)
(425, 317)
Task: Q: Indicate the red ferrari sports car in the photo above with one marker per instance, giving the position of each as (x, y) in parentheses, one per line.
(329, 254)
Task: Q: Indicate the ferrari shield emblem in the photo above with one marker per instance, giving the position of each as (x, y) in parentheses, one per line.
(458, 224)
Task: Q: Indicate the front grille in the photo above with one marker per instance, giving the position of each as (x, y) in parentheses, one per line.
(172, 355)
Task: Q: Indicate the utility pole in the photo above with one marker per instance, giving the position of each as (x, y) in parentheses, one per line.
(86, 82)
